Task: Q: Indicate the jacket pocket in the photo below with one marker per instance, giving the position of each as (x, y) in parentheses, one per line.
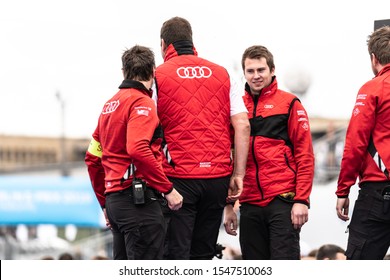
(354, 250)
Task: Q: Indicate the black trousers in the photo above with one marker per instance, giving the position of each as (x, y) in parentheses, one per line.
(369, 230)
(138, 230)
(192, 231)
(267, 233)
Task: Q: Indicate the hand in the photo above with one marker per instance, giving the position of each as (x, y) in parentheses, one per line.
(230, 220)
(342, 208)
(299, 215)
(105, 216)
(235, 188)
(175, 200)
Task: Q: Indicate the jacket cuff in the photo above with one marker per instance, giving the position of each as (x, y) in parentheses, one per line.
(302, 202)
(168, 192)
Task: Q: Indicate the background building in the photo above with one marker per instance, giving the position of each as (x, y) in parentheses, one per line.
(28, 153)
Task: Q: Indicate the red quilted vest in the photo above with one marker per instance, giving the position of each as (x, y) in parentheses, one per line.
(194, 109)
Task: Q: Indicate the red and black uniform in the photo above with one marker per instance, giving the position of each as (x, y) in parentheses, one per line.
(194, 108)
(129, 132)
(280, 168)
(281, 156)
(367, 156)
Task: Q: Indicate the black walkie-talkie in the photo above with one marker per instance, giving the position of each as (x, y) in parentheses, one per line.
(138, 191)
(386, 193)
(386, 199)
(139, 188)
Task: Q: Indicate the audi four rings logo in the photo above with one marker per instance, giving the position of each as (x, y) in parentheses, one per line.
(194, 72)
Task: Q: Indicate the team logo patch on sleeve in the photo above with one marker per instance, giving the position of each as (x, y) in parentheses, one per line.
(305, 126)
(362, 96)
(360, 104)
(145, 111)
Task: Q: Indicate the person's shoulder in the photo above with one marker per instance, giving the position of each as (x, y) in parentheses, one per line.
(373, 85)
(383, 76)
(211, 63)
(183, 60)
(215, 68)
(287, 94)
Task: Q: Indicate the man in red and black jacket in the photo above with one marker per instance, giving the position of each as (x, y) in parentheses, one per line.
(367, 156)
(280, 166)
(127, 145)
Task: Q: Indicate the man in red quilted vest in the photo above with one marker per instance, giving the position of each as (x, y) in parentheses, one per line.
(200, 109)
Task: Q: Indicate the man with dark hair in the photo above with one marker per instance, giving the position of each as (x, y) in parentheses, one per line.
(330, 252)
(124, 163)
(280, 167)
(198, 105)
(65, 256)
(367, 156)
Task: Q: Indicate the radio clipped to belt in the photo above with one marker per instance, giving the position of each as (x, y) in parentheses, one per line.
(386, 199)
(138, 186)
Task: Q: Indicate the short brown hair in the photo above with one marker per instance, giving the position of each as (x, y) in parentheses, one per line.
(138, 63)
(176, 29)
(329, 251)
(257, 52)
(379, 44)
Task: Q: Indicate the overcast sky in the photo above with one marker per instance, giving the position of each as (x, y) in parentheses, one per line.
(74, 47)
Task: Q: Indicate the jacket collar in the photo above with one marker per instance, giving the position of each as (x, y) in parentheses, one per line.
(384, 69)
(180, 48)
(271, 88)
(137, 85)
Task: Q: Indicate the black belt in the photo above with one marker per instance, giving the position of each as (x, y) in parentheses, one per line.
(374, 186)
(382, 188)
(149, 192)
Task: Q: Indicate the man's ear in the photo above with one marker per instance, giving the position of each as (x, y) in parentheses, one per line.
(273, 71)
(374, 59)
(163, 45)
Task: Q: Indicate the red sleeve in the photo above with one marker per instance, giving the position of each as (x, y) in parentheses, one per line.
(300, 136)
(96, 170)
(356, 141)
(141, 126)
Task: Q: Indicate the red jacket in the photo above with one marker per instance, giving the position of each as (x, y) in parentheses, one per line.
(370, 120)
(281, 156)
(128, 132)
(194, 109)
